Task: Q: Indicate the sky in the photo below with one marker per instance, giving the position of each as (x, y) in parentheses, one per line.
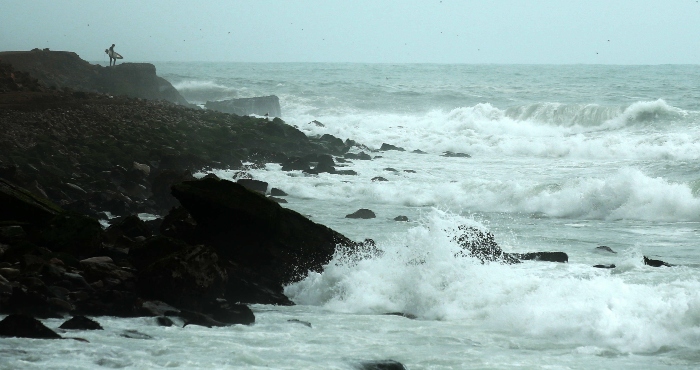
(364, 31)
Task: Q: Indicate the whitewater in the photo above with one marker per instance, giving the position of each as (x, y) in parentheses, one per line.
(561, 158)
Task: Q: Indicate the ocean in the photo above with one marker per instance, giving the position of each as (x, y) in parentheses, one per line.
(562, 158)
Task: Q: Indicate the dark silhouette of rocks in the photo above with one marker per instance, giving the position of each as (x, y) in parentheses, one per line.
(62, 69)
(656, 263)
(386, 147)
(605, 249)
(450, 154)
(25, 327)
(81, 323)
(401, 218)
(362, 213)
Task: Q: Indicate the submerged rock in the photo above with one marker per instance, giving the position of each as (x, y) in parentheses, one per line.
(381, 365)
(656, 263)
(263, 105)
(386, 147)
(605, 249)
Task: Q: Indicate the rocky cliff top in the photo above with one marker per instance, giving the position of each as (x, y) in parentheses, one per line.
(63, 69)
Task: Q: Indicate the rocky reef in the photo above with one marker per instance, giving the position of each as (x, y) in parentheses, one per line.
(262, 106)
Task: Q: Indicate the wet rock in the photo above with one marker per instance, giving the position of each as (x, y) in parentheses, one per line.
(386, 147)
(455, 155)
(402, 314)
(401, 218)
(134, 334)
(164, 321)
(255, 232)
(20, 205)
(254, 185)
(362, 213)
(199, 319)
(277, 193)
(277, 200)
(130, 226)
(610, 266)
(25, 327)
(346, 172)
(297, 321)
(361, 156)
(389, 169)
(158, 308)
(378, 178)
(655, 263)
(248, 286)
(160, 187)
(238, 314)
(381, 365)
(604, 249)
(409, 171)
(482, 245)
(543, 256)
(316, 123)
(296, 164)
(81, 323)
(187, 278)
(73, 234)
(179, 224)
(418, 151)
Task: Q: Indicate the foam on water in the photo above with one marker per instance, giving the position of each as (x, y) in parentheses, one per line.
(418, 273)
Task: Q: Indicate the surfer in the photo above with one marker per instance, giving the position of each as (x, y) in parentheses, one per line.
(110, 52)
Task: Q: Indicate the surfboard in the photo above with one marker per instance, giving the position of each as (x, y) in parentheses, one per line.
(114, 54)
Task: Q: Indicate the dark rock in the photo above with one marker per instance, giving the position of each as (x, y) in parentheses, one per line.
(604, 248)
(164, 321)
(297, 321)
(401, 218)
(346, 172)
(656, 263)
(254, 185)
(248, 287)
(160, 187)
(130, 226)
(81, 323)
(381, 365)
(317, 123)
(390, 169)
(20, 205)
(386, 147)
(482, 245)
(402, 314)
(363, 213)
(296, 164)
(418, 151)
(158, 308)
(187, 278)
(378, 178)
(409, 171)
(73, 234)
(179, 224)
(277, 193)
(23, 326)
(277, 200)
(246, 227)
(264, 105)
(134, 334)
(233, 314)
(361, 156)
(610, 266)
(543, 256)
(455, 155)
(200, 319)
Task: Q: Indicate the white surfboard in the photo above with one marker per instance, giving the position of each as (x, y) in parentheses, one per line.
(113, 54)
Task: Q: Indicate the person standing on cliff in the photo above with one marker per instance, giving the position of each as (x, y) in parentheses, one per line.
(110, 52)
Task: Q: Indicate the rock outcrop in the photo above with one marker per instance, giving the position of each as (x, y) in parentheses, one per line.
(63, 69)
(263, 105)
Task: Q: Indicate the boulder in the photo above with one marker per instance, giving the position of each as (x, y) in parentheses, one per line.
(25, 327)
(21, 205)
(455, 155)
(605, 249)
(655, 263)
(543, 256)
(386, 147)
(263, 105)
(188, 278)
(256, 232)
(254, 185)
(401, 218)
(275, 192)
(81, 323)
(362, 213)
(481, 245)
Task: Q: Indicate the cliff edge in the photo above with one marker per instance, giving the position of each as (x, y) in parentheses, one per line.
(63, 69)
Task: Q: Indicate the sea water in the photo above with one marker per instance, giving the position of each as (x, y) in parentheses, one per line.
(563, 158)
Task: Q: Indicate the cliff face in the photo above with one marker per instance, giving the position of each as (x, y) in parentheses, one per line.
(64, 69)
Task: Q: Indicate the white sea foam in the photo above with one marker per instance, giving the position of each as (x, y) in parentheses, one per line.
(199, 91)
(419, 274)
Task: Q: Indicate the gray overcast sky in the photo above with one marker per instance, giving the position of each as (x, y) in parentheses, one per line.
(384, 31)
